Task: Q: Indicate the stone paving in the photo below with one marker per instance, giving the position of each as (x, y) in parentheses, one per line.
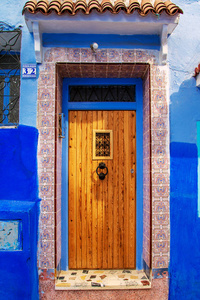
(102, 279)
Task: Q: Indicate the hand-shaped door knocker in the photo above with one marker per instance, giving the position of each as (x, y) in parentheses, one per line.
(101, 174)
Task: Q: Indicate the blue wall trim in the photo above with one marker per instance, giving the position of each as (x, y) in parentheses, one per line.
(184, 223)
(138, 105)
(18, 269)
(104, 40)
(198, 173)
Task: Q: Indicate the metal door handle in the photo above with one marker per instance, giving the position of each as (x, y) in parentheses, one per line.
(101, 166)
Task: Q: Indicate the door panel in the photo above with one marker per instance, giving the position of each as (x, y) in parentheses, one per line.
(102, 220)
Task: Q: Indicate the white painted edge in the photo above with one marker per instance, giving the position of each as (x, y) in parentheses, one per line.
(198, 80)
(164, 46)
(37, 41)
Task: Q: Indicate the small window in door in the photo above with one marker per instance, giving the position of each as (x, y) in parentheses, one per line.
(102, 144)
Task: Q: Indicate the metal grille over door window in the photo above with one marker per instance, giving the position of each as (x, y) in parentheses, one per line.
(102, 144)
(10, 43)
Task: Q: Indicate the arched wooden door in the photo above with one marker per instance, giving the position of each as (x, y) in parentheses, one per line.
(102, 213)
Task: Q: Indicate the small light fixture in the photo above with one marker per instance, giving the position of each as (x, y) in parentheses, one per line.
(94, 47)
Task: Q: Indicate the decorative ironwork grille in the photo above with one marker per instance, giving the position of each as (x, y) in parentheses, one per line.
(10, 42)
(102, 144)
(102, 93)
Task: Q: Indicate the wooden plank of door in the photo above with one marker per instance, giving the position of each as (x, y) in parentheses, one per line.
(89, 191)
(84, 189)
(121, 189)
(79, 188)
(110, 180)
(116, 180)
(73, 190)
(104, 183)
(100, 206)
(95, 200)
(132, 188)
(126, 188)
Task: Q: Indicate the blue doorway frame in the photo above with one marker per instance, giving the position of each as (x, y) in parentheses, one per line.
(136, 106)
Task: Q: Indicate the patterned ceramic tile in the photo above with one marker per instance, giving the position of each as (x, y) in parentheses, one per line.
(160, 178)
(46, 178)
(159, 123)
(160, 261)
(74, 55)
(60, 55)
(46, 133)
(46, 261)
(158, 78)
(46, 121)
(141, 56)
(160, 135)
(161, 205)
(128, 55)
(160, 191)
(47, 205)
(87, 55)
(160, 273)
(45, 149)
(159, 96)
(47, 68)
(159, 150)
(160, 219)
(47, 233)
(160, 234)
(45, 107)
(46, 246)
(101, 56)
(146, 172)
(48, 55)
(46, 94)
(47, 219)
(114, 55)
(46, 79)
(46, 161)
(159, 109)
(161, 247)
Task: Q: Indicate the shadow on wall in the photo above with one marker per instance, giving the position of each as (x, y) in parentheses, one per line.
(184, 282)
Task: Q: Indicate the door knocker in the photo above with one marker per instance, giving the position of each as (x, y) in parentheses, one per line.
(101, 174)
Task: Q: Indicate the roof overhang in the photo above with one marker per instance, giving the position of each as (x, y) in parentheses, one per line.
(95, 23)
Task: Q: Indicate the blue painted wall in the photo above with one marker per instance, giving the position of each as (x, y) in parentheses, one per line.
(18, 269)
(11, 13)
(18, 175)
(19, 201)
(184, 56)
(18, 163)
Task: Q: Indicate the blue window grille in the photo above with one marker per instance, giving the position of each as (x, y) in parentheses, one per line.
(10, 43)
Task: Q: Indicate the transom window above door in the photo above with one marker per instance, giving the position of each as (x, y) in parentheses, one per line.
(102, 93)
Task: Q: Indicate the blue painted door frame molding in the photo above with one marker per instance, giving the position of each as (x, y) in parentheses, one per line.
(136, 106)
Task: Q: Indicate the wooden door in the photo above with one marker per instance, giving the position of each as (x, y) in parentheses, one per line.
(102, 213)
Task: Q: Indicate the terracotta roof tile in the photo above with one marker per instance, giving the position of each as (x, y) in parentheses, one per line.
(70, 7)
(67, 6)
(147, 7)
(55, 6)
(42, 6)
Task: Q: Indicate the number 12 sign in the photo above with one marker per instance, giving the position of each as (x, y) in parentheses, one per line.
(29, 71)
